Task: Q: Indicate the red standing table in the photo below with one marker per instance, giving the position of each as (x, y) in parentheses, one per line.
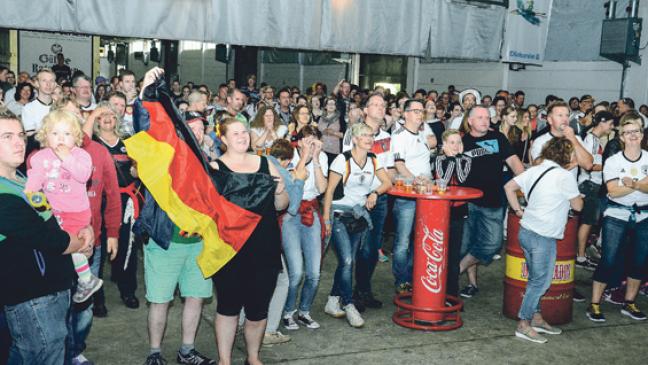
(425, 307)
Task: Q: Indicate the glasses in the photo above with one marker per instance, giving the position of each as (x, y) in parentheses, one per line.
(416, 111)
(632, 132)
(304, 113)
(365, 135)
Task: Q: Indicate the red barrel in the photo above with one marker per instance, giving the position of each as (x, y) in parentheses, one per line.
(557, 303)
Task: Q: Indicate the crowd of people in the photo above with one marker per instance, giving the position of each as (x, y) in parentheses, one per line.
(316, 167)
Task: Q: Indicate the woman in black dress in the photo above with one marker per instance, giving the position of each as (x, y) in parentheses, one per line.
(249, 279)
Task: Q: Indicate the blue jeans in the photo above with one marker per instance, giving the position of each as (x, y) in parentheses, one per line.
(79, 324)
(95, 261)
(346, 246)
(368, 252)
(610, 269)
(5, 337)
(38, 328)
(302, 246)
(483, 232)
(540, 255)
(404, 212)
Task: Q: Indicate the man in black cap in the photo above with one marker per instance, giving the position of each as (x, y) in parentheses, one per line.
(589, 184)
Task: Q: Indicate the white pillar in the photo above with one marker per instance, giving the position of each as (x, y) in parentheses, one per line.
(354, 69)
(412, 80)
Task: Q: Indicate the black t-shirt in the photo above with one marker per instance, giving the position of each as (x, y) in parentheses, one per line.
(123, 163)
(489, 154)
(62, 71)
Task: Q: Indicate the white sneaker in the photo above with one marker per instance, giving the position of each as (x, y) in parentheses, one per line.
(275, 338)
(332, 307)
(353, 316)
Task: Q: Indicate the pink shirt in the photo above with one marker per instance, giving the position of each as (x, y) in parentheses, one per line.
(62, 181)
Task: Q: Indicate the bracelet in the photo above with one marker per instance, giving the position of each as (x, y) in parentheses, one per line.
(327, 221)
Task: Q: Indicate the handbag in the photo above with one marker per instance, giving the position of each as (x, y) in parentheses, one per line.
(353, 224)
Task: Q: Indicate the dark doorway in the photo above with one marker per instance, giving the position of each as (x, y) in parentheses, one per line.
(245, 63)
(170, 59)
(388, 71)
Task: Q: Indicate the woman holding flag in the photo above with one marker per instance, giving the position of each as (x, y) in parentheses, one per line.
(231, 203)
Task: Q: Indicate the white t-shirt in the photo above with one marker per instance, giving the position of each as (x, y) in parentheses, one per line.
(381, 148)
(310, 189)
(359, 182)
(15, 107)
(33, 114)
(281, 133)
(538, 143)
(618, 167)
(412, 149)
(593, 145)
(10, 95)
(456, 122)
(546, 213)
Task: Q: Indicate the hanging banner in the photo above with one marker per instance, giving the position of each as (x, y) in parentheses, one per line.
(39, 49)
(525, 37)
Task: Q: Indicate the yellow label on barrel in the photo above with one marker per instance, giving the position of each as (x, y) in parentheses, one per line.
(516, 269)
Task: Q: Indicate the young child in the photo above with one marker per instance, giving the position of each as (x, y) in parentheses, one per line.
(61, 170)
(453, 167)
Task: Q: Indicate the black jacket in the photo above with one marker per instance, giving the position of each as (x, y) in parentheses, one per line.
(32, 263)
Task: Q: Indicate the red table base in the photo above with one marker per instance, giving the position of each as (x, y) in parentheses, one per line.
(406, 314)
(428, 307)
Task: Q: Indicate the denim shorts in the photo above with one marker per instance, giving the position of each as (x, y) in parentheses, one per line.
(177, 266)
(483, 233)
(614, 264)
(591, 211)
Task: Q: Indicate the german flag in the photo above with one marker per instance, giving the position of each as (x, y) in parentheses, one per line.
(171, 165)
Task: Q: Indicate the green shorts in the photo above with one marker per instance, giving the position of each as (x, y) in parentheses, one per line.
(166, 269)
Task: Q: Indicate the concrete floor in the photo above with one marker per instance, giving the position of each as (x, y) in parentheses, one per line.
(486, 337)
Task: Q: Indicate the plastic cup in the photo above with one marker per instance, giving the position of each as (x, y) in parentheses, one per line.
(408, 185)
(400, 181)
(442, 186)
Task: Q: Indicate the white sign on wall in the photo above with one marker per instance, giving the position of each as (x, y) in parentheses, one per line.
(39, 49)
(527, 24)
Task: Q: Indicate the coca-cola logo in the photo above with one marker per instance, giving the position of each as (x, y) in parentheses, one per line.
(433, 247)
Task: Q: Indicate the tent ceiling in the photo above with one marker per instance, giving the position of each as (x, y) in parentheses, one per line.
(436, 28)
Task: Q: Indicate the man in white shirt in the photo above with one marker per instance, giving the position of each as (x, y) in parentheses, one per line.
(127, 86)
(558, 120)
(412, 160)
(82, 90)
(35, 111)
